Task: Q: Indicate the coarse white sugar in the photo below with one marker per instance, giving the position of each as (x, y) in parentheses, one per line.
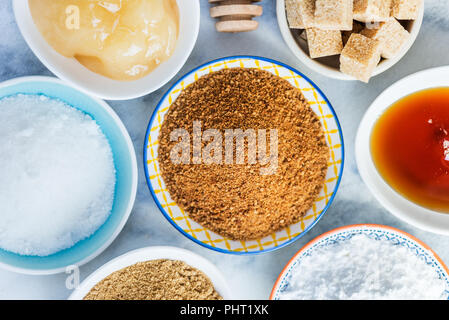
(57, 175)
(366, 269)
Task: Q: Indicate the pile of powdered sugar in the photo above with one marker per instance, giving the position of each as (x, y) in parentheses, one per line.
(363, 268)
(57, 175)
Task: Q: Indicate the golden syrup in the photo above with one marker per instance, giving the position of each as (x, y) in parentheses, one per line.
(410, 148)
(120, 39)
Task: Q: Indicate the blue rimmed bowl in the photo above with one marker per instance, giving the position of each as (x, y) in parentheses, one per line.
(373, 231)
(205, 237)
(126, 177)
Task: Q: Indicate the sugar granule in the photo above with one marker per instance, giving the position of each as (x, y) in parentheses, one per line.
(155, 280)
(363, 268)
(57, 175)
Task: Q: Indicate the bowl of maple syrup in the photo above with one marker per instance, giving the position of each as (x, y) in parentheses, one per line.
(402, 149)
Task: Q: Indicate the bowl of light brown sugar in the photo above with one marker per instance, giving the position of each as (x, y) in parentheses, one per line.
(244, 155)
(155, 273)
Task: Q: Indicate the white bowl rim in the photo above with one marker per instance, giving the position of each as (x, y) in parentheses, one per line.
(132, 153)
(20, 5)
(398, 205)
(154, 253)
(332, 72)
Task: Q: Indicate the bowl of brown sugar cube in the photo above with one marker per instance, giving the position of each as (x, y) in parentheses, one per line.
(350, 39)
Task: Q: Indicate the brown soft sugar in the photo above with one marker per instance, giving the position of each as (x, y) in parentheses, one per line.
(391, 35)
(360, 57)
(235, 200)
(333, 14)
(372, 10)
(155, 280)
(294, 14)
(324, 43)
(406, 9)
(357, 27)
(307, 12)
(300, 13)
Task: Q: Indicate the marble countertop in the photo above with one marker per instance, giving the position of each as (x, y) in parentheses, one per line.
(250, 277)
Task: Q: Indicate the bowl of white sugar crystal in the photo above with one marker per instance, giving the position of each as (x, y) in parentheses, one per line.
(68, 176)
(364, 262)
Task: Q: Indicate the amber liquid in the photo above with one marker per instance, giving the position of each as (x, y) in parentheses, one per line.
(410, 148)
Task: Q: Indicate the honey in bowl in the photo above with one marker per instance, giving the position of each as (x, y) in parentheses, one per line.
(410, 148)
(119, 39)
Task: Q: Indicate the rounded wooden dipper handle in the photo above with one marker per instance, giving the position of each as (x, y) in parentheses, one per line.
(235, 15)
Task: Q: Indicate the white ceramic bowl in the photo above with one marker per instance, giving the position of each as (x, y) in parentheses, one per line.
(92, 83)
(329, 66)
(394, 202)
(153, 253)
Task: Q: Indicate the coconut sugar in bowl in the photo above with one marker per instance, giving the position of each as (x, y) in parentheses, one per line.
(180, 200)
(88, 116)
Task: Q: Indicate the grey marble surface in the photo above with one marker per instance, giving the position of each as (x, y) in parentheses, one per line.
(250, 277)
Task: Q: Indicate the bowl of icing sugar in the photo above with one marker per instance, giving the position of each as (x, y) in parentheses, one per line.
(68, 176)
(363, 262)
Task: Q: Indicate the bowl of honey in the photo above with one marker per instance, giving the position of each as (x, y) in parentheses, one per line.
(402, 149)
(111, 49)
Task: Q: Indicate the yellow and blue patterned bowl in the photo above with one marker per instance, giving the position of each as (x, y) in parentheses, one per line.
(194, 231)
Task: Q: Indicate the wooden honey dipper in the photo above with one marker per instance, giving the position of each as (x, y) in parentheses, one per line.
(235, 15)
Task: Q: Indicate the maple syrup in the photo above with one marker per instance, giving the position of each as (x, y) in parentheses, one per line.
(410, 147)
